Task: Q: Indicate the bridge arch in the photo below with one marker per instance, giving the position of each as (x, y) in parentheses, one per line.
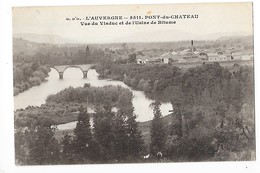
(85, 72)
(55, 68)
(73, 66)
(64, 68)
(59, 72)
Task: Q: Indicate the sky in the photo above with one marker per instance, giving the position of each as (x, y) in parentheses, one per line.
(215, 20)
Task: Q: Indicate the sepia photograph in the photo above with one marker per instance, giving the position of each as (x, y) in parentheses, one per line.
(113, 84)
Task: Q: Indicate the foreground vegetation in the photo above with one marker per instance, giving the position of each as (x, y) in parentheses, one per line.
(114, 136)
(212, 120)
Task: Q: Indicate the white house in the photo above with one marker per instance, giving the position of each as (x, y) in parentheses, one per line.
(141, 59)
(213, 57)
(165, 60)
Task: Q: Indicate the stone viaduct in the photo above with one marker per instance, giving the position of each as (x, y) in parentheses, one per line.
(83, 67)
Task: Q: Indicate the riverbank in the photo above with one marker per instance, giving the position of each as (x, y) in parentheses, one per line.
(155, 80)
(73, 77)
(28, 75)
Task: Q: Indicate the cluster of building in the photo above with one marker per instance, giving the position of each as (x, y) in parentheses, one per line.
(192, 55)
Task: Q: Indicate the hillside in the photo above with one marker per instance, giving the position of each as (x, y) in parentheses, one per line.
(23, 44)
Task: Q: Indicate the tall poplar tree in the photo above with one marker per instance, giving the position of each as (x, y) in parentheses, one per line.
(83, 140)
(158, 132)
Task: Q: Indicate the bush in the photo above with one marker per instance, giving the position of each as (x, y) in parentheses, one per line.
(35, 81)
(40, 75)
(16, 91)
(192, 149)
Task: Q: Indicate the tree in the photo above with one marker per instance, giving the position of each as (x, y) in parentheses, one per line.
(158, 132)
(120, 138)
(18, 75)
(35, 65)
(27, 70)
(39, 74)
(83, 140)
(124, 45)
(103, 133)
(42, 147)
(20, 148)
(87, 52)
(221, 111)
(67, 151)
(132, 58)
(135, 141)
(177, 101)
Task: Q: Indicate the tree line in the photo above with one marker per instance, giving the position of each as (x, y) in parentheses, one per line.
(212, 120)
(213, 108)
(28, 74)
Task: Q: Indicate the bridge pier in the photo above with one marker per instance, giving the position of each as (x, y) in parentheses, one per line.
(83, 67)
(85, 74)
(61, 75)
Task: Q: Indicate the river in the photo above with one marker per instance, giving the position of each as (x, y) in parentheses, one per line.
(37, 95)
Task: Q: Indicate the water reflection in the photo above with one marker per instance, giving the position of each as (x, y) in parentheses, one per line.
(74, 77)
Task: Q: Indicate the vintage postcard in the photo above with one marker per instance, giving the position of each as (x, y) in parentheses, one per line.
(133, 84)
